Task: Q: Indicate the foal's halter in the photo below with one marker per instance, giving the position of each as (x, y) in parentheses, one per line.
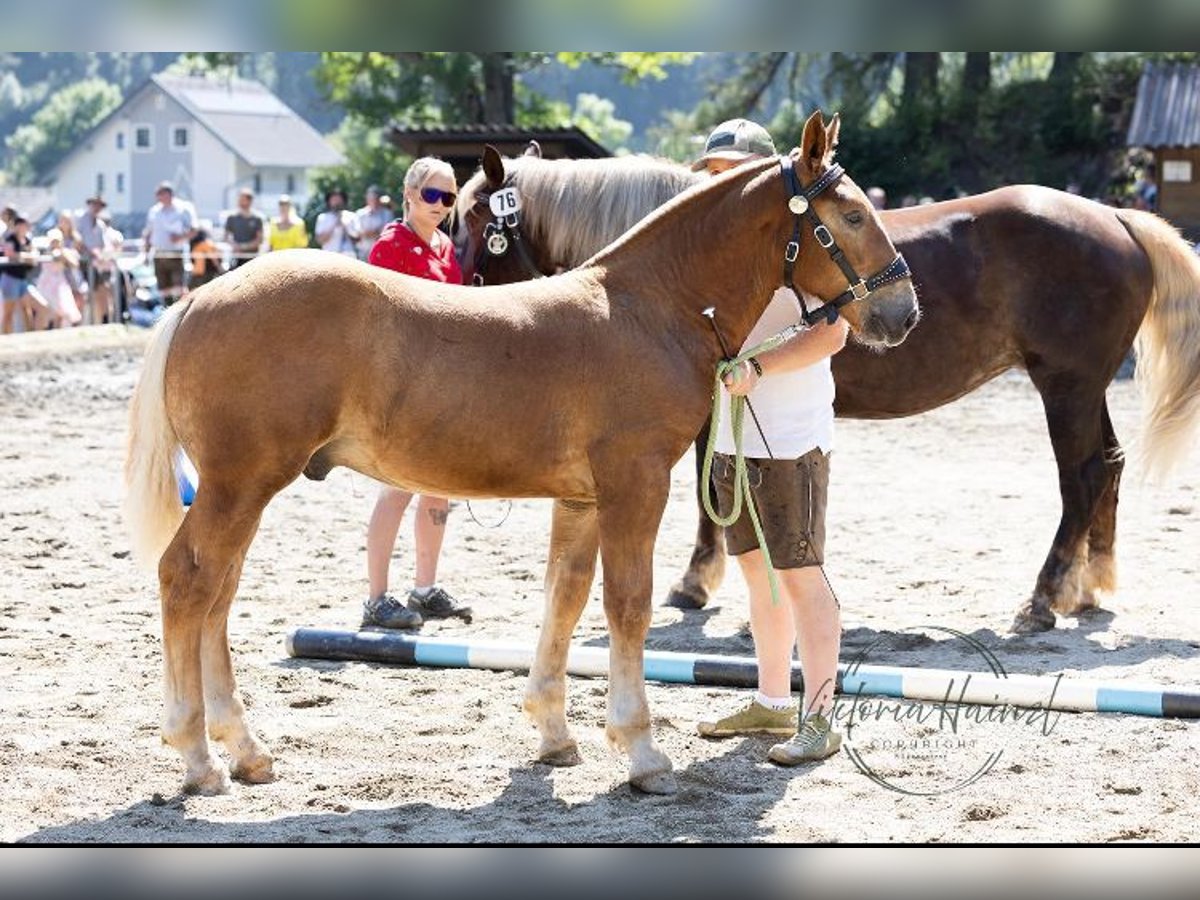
(499, 235)
(800, 203)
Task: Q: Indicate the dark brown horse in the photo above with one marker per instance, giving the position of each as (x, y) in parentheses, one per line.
(1023, 277)
(592, 383)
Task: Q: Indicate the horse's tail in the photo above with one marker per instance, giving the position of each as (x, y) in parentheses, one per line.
(1168, 344)
(153, 509)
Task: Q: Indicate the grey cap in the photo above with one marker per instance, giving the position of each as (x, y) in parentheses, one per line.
(736, 139)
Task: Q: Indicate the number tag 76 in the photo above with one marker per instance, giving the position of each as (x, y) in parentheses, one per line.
(505, 202)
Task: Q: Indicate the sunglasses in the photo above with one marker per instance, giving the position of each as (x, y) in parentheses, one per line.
(433, 195)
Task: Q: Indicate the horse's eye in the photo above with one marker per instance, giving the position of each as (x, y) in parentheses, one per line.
(855, 217)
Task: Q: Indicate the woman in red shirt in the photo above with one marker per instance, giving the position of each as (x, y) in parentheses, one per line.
(414, 245)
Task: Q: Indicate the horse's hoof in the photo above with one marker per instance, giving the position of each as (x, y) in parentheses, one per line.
(687, 596)
(1031, 621)
(210, 784)
(258, 770)
(661, 783)
(566, 755)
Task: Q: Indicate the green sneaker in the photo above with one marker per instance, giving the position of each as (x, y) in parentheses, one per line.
(815, 739)
(754, 719)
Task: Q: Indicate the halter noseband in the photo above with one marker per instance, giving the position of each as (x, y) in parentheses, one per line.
(503, 232)
(800, 203)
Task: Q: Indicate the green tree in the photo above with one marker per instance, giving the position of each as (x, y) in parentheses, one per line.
(66, 117)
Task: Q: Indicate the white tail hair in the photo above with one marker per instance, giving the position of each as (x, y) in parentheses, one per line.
(1167, 345)
(153, 508)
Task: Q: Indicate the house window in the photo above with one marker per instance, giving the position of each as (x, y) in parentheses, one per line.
(291, 183)
(99, 182)
(143, 138)
(120, 182)
(120, 140)
(257, 183)
(179, 137)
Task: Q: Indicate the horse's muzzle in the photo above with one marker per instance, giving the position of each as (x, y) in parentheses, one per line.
(889, 315)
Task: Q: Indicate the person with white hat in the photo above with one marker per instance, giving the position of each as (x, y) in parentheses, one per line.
(791, 392)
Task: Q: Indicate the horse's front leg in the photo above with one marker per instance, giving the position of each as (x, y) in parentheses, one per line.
(706, 569)
(570, 569)
(631, 507)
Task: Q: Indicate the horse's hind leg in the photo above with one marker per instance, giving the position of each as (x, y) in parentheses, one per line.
(1073, 415)
(226, 714)
(1100, 578)
(631, 507)
(203, 556)
(706, 569)
(570, 571)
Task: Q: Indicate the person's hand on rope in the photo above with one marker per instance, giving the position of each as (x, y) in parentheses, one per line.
(743, 378)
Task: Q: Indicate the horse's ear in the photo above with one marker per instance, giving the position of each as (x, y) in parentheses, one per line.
(534, 149)
(835, 126)
(814, 143)
(493, 167)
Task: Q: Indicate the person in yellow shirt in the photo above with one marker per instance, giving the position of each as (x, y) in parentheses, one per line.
(287, 231)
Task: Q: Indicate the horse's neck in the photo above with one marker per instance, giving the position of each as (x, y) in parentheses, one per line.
(714, 247)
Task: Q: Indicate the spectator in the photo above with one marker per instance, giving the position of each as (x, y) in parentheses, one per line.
(170, 224)
(336, 228)
(414, 246)
(371, 219)
(95, 268)
(1145, 190)
(206, 259)
(287, 232)
(55, 282)
(15, 287)
(72, 242)
(877, 196)
(244, 229)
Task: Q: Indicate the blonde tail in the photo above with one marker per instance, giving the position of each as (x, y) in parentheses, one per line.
(153, 510)
(1168, 345)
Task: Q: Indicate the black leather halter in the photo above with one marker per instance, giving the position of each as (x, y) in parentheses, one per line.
(500, 235)
(800, 203)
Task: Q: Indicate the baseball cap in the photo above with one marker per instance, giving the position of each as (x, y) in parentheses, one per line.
(736, 139)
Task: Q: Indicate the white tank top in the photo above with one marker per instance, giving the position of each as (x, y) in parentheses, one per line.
(795, 409)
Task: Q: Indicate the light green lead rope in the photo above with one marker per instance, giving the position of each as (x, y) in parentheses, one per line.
(741, 478)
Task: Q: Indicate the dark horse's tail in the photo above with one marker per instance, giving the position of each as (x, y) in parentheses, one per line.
(1168, 344)
(153, 509)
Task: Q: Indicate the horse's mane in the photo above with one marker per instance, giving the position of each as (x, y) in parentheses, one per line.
(554, 191)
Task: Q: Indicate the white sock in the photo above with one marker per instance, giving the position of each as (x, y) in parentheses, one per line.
(423, 592)
(775, 703)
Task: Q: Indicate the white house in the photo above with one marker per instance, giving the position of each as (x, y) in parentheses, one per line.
(210, 137)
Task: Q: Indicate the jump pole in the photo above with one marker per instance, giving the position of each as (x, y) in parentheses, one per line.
(935, 685)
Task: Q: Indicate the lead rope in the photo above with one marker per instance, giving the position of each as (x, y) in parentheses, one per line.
(741, 477)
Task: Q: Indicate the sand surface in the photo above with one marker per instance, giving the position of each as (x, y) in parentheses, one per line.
(939, 520)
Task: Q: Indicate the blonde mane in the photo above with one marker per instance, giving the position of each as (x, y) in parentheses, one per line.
(617, 192)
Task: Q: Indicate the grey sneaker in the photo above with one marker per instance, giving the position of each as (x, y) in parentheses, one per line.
(435, 603)
(387, 612)
(815, 739)
(754, 719)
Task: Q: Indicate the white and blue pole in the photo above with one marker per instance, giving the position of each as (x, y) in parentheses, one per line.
(984, 688)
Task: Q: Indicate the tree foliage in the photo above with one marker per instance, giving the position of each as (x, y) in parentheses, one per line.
(57, 126)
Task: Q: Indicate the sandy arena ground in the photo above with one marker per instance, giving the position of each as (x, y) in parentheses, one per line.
(939, 520)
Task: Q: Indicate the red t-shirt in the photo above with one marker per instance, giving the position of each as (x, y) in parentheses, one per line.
(400, 249)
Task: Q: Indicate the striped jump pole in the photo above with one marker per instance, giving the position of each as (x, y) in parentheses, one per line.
(1051, 692)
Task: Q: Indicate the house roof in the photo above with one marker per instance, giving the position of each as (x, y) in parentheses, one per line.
(243, 115)
(1167, 111)
(250, 121)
